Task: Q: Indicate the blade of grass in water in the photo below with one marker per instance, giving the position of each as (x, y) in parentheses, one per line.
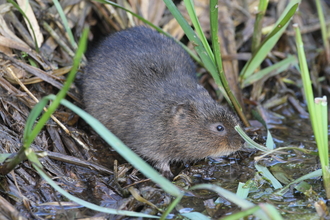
(232, 198)
(272, 213)
(313, 174)
(242, 214)
(321, 115)
(171, 207)
(32, 157)
(318, 118)
(321, 136)
(249, 140)
(195, 216)
(268, 175)
(241, 191)
(269, 141)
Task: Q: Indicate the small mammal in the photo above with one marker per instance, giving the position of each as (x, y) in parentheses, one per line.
(141, 86)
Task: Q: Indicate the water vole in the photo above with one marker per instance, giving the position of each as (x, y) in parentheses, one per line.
(141, 86)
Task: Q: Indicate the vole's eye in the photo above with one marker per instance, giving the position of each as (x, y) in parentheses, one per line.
(217, 128)
(220, 128)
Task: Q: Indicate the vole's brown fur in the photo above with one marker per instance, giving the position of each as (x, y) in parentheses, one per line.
(141, 86)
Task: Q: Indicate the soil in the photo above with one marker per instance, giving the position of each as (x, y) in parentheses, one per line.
(77, 158)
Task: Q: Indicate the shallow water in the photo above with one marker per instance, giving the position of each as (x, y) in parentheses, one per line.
(102, 188)
(228, 172)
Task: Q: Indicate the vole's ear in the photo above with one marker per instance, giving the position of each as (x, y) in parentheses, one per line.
(181, 111)
(178, 108)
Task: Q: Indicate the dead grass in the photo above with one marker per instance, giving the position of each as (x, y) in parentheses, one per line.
(32, 67)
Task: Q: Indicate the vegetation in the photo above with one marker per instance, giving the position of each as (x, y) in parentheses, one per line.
(252, 197)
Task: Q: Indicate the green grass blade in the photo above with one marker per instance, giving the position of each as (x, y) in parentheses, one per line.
(195, 216)
(30, 136)
(171, 207)
(28, 20)
(284, 19)
(271, 211)
(32, 157)
(321, 116)
(249, 141)
(307, 84)
(124, 151)
(242, 214)
(270, 141)
(207, 61)
(30, 133)
(318, 116)
(270, 144)
(318, 113)
(217, 56)
(232, 197)
(65, 23)
(256, 38)
(3, 157)
(34, 114)
(321, 136)
(272, 70)
(132, 13)
(303, 187)
(323, 27)
(214, 38)
(242, 191)
(268, 175)
(324, 124)
(192, 14)
(270, 40)
(316, 173)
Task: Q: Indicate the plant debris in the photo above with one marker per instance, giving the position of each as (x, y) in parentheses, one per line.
(36, 52)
